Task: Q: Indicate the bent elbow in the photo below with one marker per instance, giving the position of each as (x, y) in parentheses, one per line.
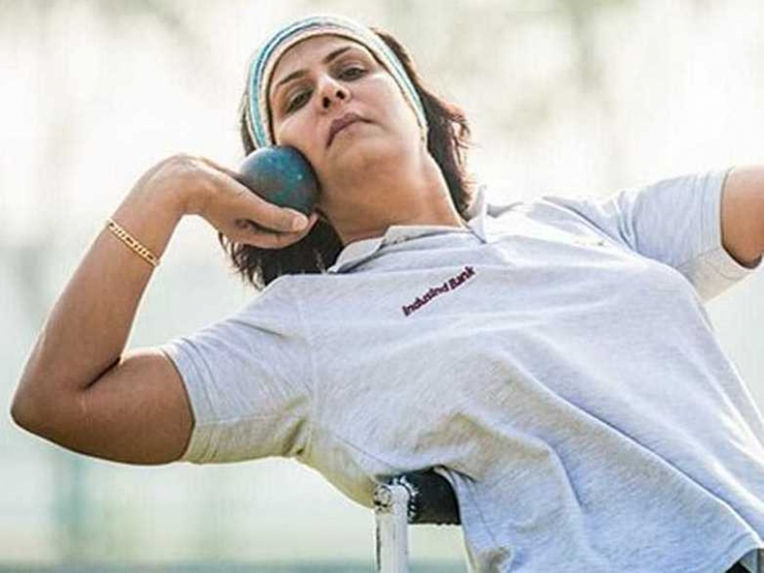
(33, 413)
(22, 412)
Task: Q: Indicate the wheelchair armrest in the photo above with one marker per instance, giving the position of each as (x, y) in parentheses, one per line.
(431, 498)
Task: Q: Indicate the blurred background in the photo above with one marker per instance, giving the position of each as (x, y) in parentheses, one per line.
(564, 96)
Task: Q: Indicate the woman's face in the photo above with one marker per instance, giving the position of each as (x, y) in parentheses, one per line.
(321, 79)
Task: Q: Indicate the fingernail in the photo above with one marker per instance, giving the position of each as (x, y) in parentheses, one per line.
(299, 222)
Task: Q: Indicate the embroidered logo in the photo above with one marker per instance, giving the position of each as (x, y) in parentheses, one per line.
(448, 285)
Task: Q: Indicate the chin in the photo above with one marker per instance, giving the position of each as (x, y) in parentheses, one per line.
(369, 153)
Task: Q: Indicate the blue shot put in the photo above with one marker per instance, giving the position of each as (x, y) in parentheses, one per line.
(281, 175)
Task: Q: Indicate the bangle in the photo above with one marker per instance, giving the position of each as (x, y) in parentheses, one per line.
(132, 242)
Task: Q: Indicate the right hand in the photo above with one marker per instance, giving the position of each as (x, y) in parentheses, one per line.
(213, 192)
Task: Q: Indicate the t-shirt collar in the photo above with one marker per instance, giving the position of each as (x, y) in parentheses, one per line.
(363, 249)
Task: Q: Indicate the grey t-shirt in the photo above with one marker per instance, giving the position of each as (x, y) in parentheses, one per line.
(552, 359)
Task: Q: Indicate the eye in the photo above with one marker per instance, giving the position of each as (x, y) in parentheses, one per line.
(350, 72)
(296, 101)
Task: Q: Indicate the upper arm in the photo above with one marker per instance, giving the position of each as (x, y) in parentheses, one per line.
(136, 412)
(743, 214)
(676, 221)
(236, 389)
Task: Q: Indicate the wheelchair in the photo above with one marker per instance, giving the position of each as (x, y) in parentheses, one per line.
(418, 497)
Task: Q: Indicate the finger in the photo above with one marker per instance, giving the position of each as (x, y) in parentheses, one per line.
(300, 234)
(252, 233)
(209, 162)
(272, 218)
(289, 236)
(309, 223)
(268, 215)
(269, 240)
(312, 220)
(249, 233)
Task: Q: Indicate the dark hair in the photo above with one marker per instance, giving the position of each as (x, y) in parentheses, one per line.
(448, 138)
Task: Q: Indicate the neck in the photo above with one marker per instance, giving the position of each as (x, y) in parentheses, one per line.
(414, 194)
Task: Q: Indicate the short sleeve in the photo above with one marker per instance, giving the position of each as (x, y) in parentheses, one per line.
(248, 382)
(676, 221)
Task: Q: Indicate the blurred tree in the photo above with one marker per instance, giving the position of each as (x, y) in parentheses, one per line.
(462, 47)
(40, 22)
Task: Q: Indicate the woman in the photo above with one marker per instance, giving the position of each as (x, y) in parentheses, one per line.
(551, 359)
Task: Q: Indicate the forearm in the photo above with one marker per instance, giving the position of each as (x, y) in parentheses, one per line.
(87, 329)
(742, 214)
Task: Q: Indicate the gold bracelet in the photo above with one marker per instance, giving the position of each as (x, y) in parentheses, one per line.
(132, 242)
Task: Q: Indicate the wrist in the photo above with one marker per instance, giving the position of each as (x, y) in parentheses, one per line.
(168, 186)
(169, 201)
(150, 214)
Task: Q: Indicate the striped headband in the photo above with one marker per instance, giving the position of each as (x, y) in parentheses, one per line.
(264, 61)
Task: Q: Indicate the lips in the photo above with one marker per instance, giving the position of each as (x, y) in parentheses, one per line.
(340, 123)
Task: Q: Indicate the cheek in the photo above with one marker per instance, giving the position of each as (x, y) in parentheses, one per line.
(289, 133)
(394, 104)
(292, 133)
(282, 132)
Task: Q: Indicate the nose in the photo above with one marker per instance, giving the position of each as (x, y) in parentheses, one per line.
(332, 92)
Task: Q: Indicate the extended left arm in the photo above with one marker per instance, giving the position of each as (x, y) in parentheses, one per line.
(743, 214)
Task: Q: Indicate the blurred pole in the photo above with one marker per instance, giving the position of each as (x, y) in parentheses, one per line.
(581, 17)
(37, 250)
(33, 254)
